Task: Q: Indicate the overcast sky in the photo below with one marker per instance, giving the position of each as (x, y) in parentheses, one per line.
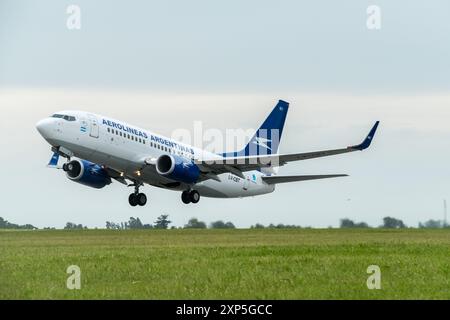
(162, 65)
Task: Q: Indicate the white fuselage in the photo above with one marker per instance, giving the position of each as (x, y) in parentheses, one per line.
(129, 150)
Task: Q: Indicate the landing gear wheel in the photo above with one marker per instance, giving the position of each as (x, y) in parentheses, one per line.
(136, 198)
(194, 196)
(185, 197)
(141, 199)
(132, 199)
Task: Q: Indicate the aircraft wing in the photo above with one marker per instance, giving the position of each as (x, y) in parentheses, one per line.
(237, 165)
(116, 175)
(284, 179)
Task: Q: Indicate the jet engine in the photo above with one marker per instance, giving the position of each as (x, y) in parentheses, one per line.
(177, 168)
(87, 173)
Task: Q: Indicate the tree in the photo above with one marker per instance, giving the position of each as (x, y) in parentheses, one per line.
(135, 223)
(218, 224)
(257, 226)
(194, 223)
(222, 225)
(230, 225)
(362, 225)
(432, 224)
(392, 223)
(347, 223)
(162, 222)
(113, 225)
(4, 224)
(74, 226)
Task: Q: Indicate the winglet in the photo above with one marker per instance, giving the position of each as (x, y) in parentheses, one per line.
(54, 161)
(366, 143)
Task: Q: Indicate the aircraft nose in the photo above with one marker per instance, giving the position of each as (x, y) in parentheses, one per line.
(44, 127)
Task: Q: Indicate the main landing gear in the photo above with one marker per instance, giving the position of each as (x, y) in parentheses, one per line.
(190, 196)
(136, 198)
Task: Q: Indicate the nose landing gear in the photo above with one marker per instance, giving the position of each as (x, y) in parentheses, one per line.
(136, 198)
(190, 196)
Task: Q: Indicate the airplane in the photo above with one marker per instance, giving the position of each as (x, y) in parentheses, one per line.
(99, 150)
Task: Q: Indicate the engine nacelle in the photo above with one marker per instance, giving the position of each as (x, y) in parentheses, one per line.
(87, 173)
(177, 168)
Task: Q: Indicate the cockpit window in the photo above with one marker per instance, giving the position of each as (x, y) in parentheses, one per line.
(65, 117)
(69, 118)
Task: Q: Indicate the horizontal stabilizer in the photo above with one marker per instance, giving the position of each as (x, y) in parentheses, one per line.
(284, 179)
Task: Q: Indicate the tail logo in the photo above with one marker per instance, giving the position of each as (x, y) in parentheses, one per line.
(262, 142)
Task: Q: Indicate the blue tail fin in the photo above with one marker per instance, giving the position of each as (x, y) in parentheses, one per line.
(267, 138)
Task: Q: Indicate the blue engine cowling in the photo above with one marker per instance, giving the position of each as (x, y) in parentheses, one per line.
(87, 173)
(177, 168)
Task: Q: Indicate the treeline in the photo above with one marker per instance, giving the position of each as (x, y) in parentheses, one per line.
(74, 226)
(163, 222)
(278, 226)
(393, 223)
(4, 224)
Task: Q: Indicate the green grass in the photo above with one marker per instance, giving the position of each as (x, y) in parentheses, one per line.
(225, 264)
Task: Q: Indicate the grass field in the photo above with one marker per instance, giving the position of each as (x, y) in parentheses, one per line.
(225, 264)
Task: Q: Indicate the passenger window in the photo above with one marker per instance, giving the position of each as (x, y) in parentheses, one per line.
(108, 130)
